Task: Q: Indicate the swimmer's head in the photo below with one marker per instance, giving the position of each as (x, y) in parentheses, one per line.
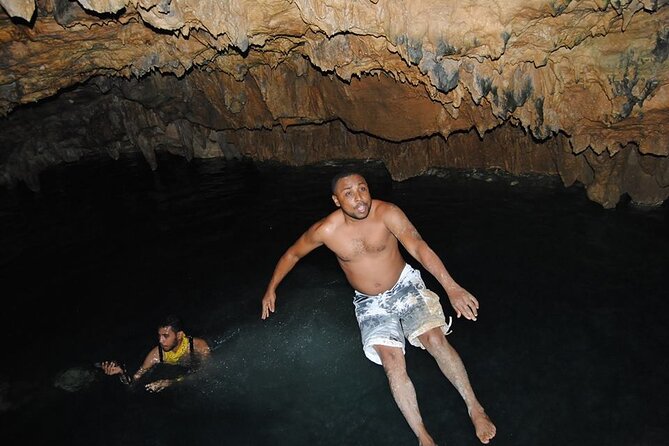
(170, 333)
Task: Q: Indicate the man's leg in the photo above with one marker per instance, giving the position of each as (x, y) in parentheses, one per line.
(452, 367)
(403, 391)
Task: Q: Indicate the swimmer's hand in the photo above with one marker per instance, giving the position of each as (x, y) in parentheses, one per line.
(268, 304)
(158, 386)
(464, 303)
(114, 368)
(110, 367)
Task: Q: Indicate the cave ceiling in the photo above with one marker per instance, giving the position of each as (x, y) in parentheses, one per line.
(574, 88)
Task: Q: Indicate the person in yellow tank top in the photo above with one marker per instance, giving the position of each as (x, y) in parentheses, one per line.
(174, 348)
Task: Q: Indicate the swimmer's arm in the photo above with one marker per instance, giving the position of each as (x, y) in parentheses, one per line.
(203, 353)
(398, 223)
(307, 242)
(152, 358)
(114, 368)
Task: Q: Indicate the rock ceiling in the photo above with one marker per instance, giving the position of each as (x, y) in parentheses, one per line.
(575, 88)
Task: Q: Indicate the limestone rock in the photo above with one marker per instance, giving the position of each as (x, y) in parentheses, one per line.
(19, 8)
(579, 89)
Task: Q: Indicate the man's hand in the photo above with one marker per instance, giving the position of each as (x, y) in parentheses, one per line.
(157, 386)
(464, 303)
(268, 304)
(111, 368)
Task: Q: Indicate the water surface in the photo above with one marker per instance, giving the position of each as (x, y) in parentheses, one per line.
(568, 349)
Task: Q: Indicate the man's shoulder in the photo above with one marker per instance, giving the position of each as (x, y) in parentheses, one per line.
(330, 222)
(154, 354)
(200, 343)
(385, 206)
(378, 202)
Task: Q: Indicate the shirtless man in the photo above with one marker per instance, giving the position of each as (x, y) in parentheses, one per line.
(174, 348)
(391, 301)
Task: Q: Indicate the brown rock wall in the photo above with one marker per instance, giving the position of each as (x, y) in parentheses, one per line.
(575, 88)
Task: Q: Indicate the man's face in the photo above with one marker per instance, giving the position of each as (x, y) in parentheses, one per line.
(352, 196)
(168, 338)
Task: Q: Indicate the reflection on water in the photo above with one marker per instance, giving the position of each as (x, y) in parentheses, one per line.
(573, 309)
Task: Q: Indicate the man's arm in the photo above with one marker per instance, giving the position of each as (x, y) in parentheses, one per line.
(203, 353)
(113, 368)
(307, 242)
(152, 358)
(462, 301)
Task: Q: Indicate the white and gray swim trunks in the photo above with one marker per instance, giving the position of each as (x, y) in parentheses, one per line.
(407, 310)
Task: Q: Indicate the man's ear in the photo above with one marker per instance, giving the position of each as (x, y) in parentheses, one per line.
(336, 201)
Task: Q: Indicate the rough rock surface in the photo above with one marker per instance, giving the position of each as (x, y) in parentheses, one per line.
(575, 88)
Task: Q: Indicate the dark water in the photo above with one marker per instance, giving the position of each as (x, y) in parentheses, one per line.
(570, 346)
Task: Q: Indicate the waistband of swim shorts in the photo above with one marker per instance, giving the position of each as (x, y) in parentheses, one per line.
(408, 269)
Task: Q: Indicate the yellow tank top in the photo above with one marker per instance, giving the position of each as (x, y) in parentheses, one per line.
(174, 356)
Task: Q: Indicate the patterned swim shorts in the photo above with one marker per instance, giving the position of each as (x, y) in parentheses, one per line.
(407, 310)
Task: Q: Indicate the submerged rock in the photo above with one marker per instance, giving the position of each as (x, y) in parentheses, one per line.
(75, 379)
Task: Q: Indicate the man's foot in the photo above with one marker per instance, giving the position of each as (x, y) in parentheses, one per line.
(426, 440)
(485, 430)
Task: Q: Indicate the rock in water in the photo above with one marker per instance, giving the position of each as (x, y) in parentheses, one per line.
(74, 379)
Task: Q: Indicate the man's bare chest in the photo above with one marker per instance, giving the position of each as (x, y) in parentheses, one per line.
(352, 245)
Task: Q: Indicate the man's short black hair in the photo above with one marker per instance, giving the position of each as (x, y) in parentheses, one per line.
(340, 175)
(172, 321)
